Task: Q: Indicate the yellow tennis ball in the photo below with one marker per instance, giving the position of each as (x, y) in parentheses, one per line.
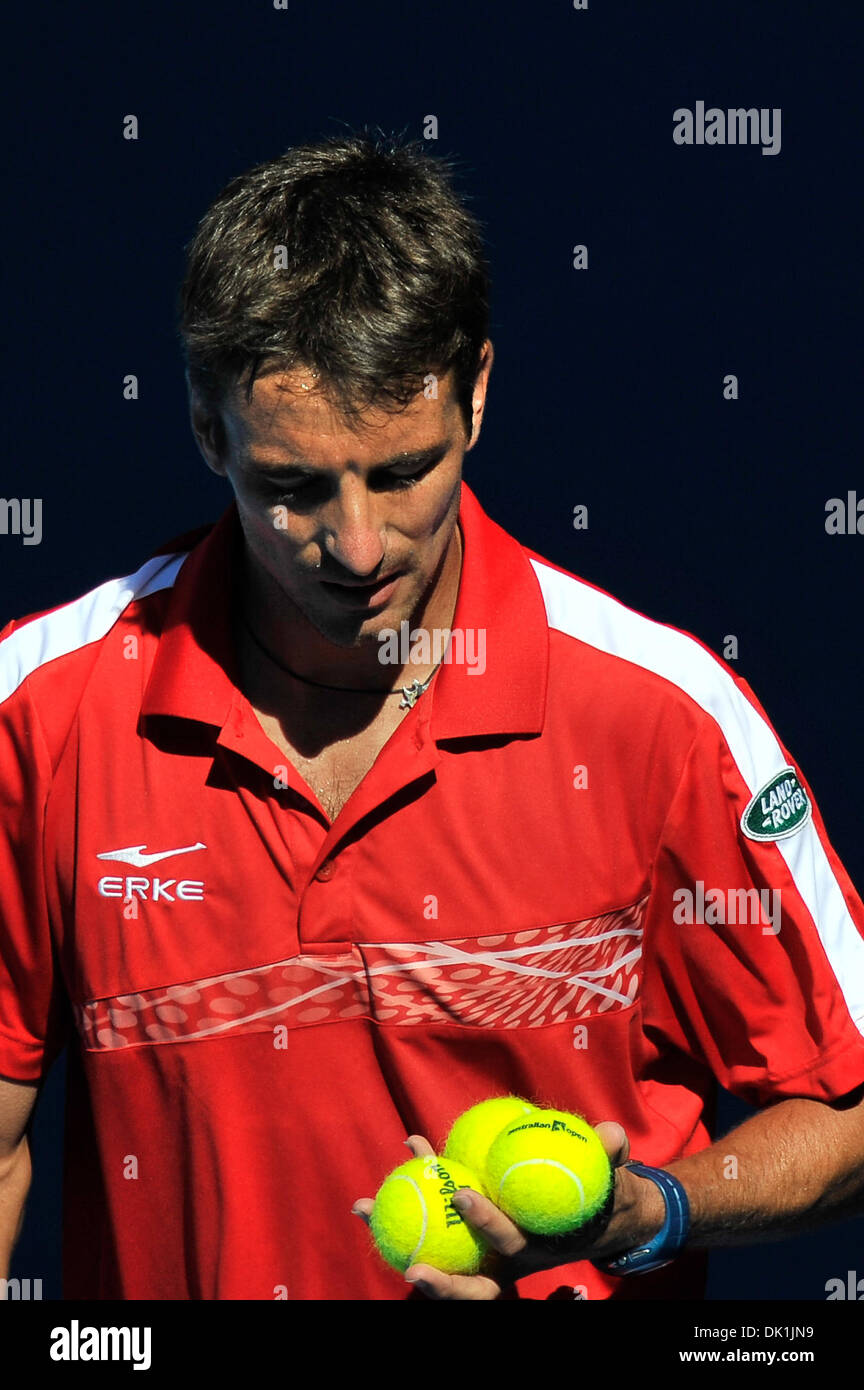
(549, 1172)
(414, 1217)
(472, 1134)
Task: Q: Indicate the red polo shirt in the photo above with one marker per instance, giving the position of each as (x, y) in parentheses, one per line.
(263, 1004)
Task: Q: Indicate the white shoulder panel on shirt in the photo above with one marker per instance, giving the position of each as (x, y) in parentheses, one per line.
(79, 622)
(583, 612)
(602, 622)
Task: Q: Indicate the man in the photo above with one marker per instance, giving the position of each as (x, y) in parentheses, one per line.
(348, 812)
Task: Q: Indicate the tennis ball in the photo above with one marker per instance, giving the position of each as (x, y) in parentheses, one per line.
(472, 1134)
(549, 1172)
(414, 1217)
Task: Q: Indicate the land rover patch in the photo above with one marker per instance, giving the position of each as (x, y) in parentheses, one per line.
(778, 809)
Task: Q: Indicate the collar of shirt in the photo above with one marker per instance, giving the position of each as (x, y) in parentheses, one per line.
(194, 673)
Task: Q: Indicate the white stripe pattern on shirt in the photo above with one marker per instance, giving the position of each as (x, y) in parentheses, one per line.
(81, 621)
(580, 611)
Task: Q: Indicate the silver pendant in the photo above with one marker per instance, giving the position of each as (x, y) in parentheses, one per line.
(411, 694)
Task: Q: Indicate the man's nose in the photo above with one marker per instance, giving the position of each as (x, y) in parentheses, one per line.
(354, 536)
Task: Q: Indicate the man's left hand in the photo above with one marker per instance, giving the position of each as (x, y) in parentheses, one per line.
(513, 1252)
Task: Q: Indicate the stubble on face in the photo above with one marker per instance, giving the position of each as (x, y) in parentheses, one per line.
(343, 521)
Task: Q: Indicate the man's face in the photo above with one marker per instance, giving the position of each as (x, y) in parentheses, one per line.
(349, 519)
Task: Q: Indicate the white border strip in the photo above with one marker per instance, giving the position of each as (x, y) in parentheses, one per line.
(583, 612)
(83, 620)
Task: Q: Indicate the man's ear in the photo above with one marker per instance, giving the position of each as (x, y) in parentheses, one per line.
(208, 429)
(479, 396)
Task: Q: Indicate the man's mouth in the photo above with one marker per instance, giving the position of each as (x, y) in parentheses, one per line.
(359, 595)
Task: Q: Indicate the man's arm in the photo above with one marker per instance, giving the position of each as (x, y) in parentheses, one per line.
(17, 1099)
(794, 1166)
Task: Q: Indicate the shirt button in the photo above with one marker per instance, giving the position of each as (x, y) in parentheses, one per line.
(326, 871)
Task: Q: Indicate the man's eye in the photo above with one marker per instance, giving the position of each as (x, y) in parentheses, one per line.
(306, 490)
(301, 491)
(400, 480)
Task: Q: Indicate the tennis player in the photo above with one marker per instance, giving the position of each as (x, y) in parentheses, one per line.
(335, 816)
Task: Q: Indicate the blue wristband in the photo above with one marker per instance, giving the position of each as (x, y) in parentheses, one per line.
(671, 1237)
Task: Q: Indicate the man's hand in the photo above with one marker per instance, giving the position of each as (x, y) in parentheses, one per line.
(513, 1252)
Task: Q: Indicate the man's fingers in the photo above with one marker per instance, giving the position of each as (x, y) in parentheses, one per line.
(483, 1216)
(501, 1235)
(420, 1147)
(434, 1283)
(363, 1208)
(614, 1139)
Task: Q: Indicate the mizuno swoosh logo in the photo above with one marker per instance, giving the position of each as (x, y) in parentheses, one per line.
(133, 854)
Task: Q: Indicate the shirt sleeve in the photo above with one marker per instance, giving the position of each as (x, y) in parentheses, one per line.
(34, 1018)
(754, 947)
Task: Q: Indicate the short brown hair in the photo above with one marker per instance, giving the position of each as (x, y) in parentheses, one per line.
(385, 277)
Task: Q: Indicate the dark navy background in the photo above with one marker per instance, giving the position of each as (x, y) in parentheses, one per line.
(607, 383)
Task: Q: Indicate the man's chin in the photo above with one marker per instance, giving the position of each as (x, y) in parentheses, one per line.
(357, 629)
